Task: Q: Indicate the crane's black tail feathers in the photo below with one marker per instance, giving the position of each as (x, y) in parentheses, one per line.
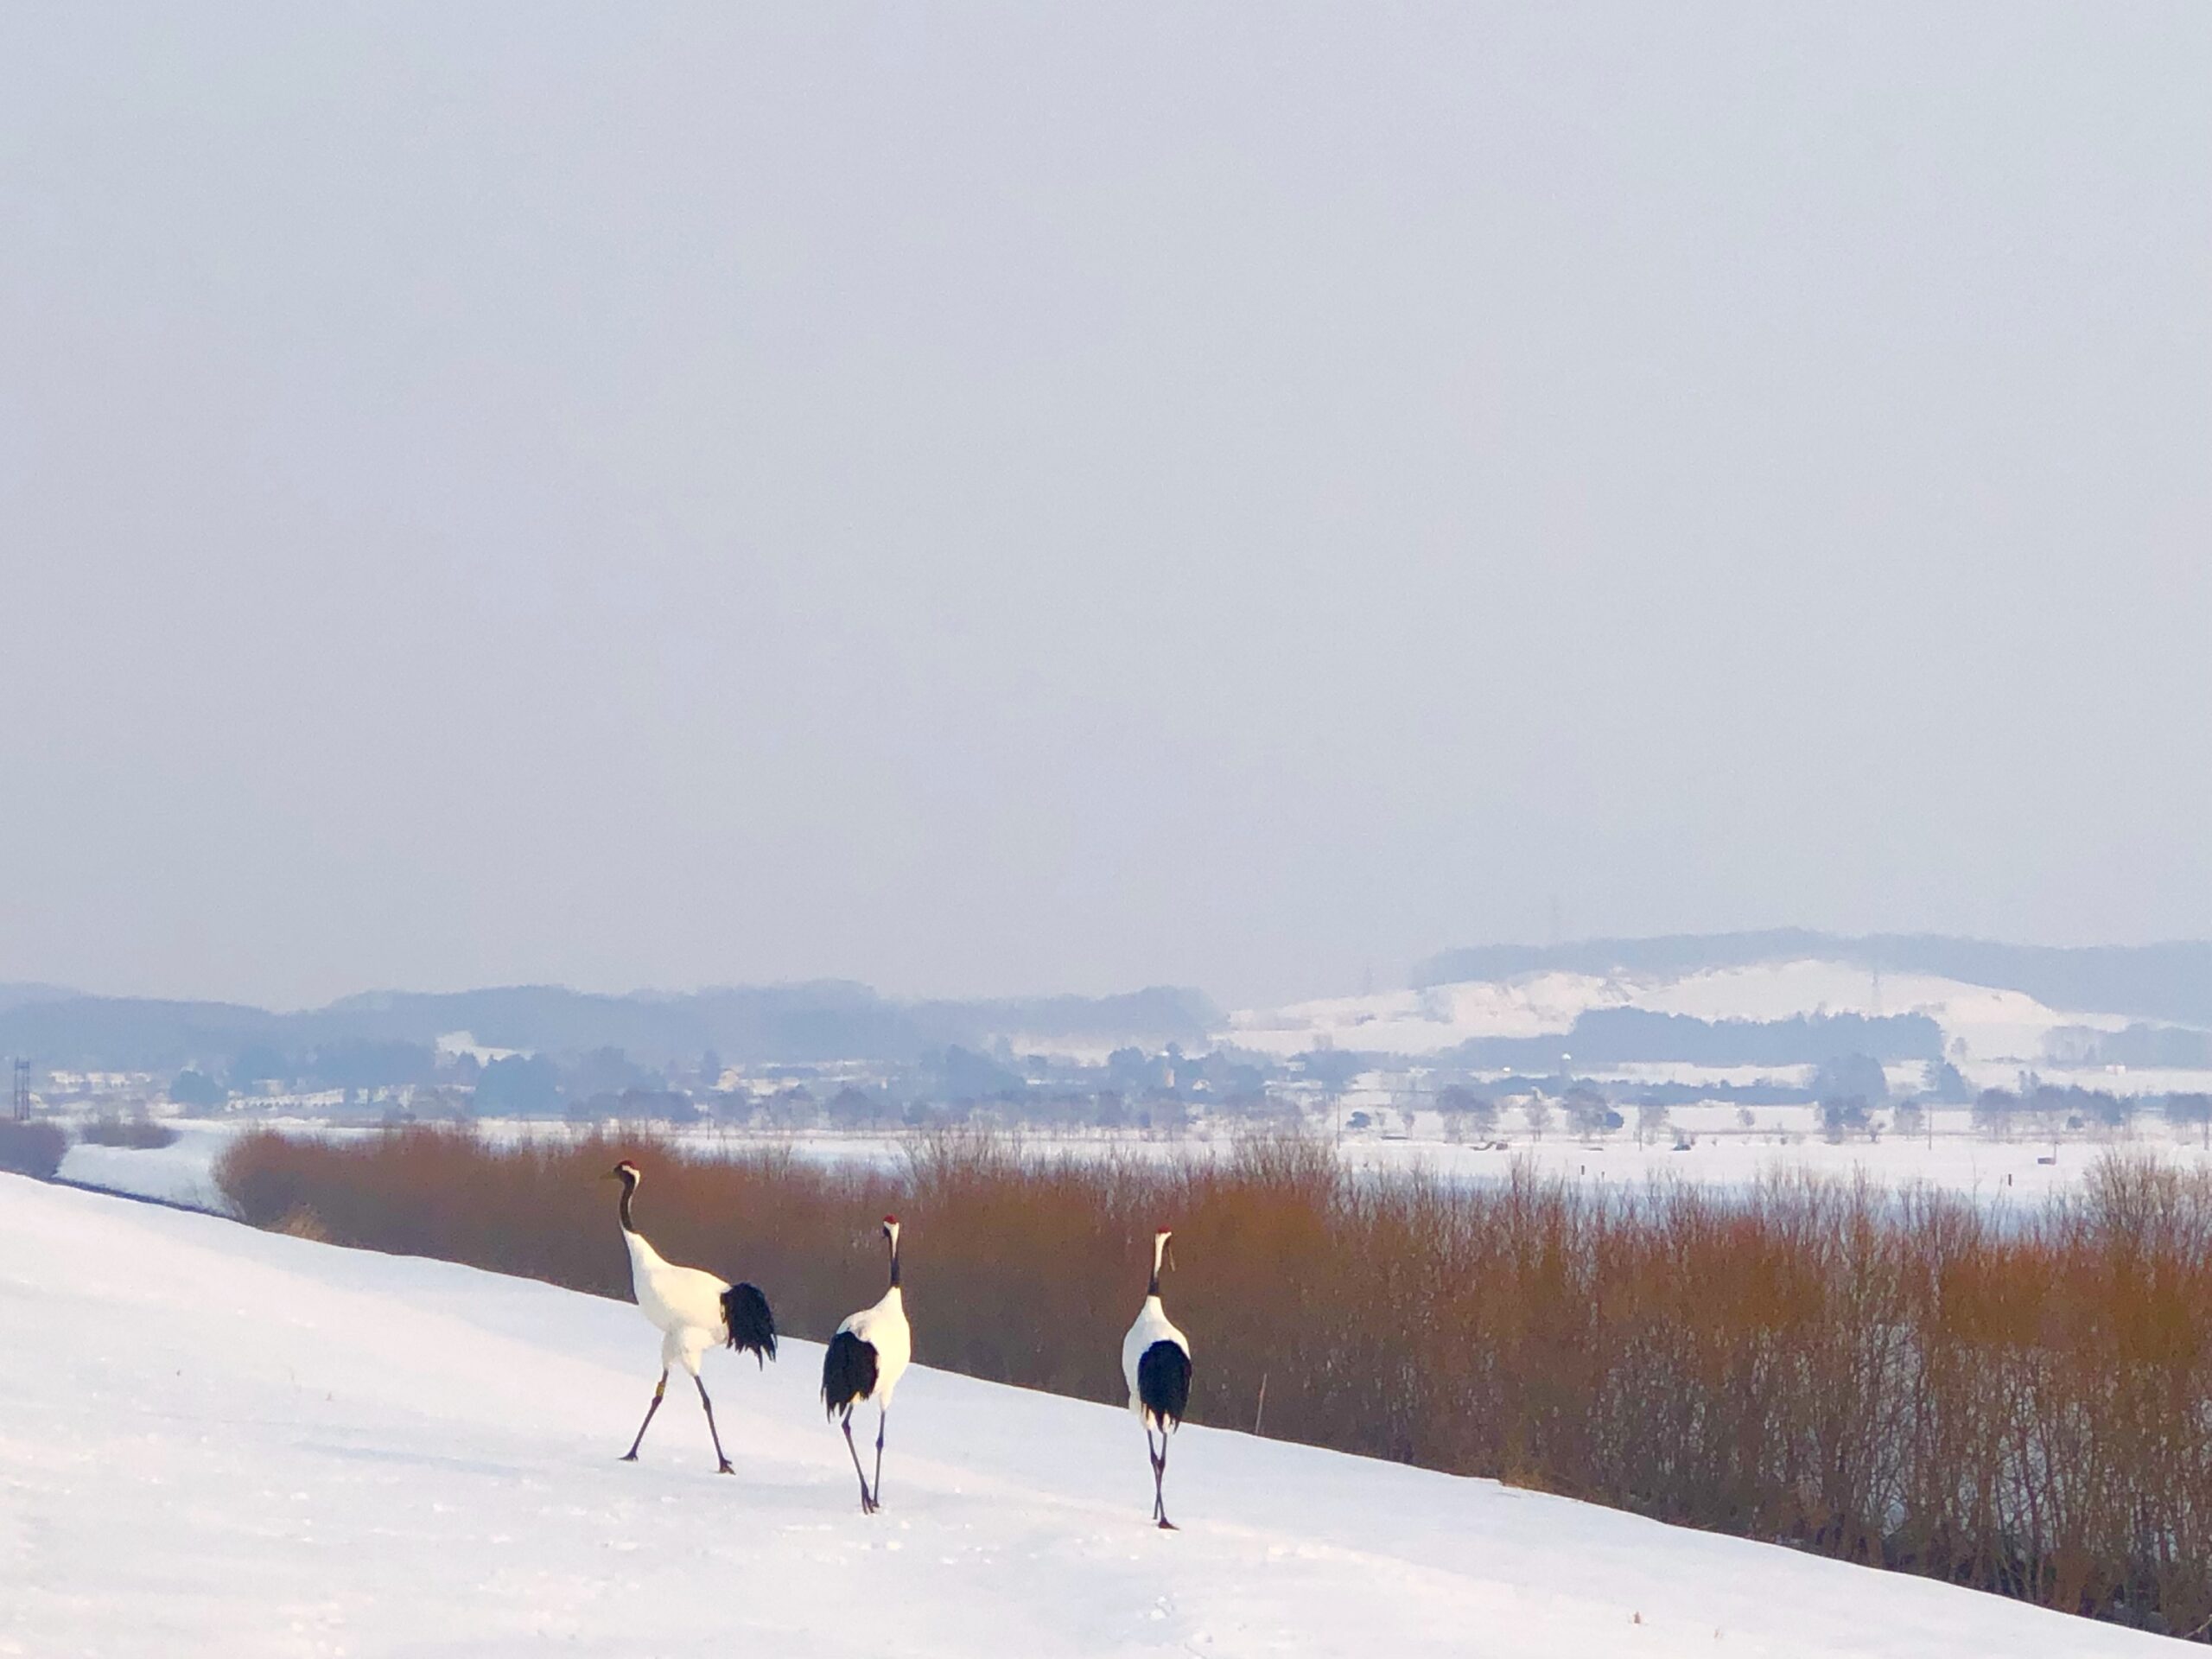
(848, 1372)
(752, 1325)
(1164, 1382)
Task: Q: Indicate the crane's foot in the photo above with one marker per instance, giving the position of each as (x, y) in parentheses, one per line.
(1165, 1525)
(627, 1457)
(725, 1468)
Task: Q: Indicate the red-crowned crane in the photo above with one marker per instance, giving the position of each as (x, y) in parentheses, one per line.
(694, 1311)
(864, 1361)
(1156, 1361)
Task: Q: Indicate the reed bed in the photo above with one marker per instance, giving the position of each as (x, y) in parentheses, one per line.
(2021, 1403)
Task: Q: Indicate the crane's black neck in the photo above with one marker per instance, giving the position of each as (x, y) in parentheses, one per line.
(894, 1264)
(629, 1191)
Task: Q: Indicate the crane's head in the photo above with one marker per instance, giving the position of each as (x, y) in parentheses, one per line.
(1160, 1250)
(891, 1231)
(625, 1172)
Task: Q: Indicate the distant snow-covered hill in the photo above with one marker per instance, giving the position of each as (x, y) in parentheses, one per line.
(1991, 1030)
(2170, 981)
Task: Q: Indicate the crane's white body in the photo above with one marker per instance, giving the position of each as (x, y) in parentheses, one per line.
(864, 1360)
(884, 1328)
(1170, 1383)
(684, 1303)
(1152, 1325)
(687, 1307)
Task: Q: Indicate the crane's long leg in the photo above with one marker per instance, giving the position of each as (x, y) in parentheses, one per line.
(1158, 1477)
(719, 1457)
(867, 1500)
(882, 1416)
(660, 1388)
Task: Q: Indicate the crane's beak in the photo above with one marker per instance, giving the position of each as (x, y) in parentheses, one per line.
(1171, 1252)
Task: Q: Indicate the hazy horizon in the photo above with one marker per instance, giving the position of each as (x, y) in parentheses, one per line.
(995, 501)
(1565, 948)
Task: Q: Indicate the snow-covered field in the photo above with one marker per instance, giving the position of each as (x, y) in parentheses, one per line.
(2016, 1172)
(219, 1440)
(182, 1174)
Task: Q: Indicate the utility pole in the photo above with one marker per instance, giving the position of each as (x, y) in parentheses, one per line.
(23, 1091)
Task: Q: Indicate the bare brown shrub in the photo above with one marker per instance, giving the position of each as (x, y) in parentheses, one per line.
(31, 1148)
(300, 1221)
(2020, 1403)
(137, 1130)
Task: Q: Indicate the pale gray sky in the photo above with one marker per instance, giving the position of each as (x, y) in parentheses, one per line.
(1024, 498)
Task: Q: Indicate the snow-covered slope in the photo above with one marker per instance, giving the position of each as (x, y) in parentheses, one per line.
(1993, 1024)
(217, 1440)
(1423, 1021)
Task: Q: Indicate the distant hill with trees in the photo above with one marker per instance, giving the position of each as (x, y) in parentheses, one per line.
(1624, 1036)
(2170, 981)
(389, 1032)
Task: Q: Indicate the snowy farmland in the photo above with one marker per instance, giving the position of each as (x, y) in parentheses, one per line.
(1951, 1156)
(223, 1441)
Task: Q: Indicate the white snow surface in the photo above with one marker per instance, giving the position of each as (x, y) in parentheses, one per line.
(219, 1440)
(182, 1172)
(1995, 1025)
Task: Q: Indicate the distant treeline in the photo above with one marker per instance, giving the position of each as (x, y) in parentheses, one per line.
(799, 1024)
(2153, 1046)
(2144, 981)
(1628, 1036)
